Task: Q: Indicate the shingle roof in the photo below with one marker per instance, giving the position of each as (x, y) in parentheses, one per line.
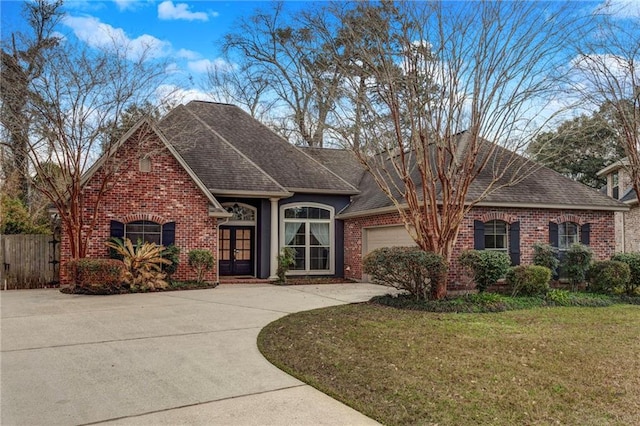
(629, 196)
(542, 187)
(342, 162)
(230, 150)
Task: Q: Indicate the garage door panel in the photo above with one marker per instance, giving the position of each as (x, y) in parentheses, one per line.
(387, 236)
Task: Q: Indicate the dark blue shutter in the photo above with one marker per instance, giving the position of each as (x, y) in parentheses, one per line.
(168, 233)
(478, 235)
(117, 229)
(553, 234)
(585, 230)
(514, 243)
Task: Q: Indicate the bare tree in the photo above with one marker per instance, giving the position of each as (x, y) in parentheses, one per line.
(282, 60)
(607, 73)
(74, 105)
(23, 60)
(443, 89)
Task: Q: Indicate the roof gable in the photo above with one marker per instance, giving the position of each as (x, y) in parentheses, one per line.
(216, 209)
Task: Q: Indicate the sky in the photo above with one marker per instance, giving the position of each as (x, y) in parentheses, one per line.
(188, 33)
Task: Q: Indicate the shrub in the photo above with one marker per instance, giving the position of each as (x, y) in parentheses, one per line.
(529, 280)
(405, 268)
(633, 260)
(172, 254)
(201, 261)
(576, 264)
(486, 266)
(609, 277)
(286, 259)
(97, 276)
(559, 297)
(143, 263)
(547, 256)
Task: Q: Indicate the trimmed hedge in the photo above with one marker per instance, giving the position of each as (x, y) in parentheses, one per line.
(528, 280)
(547, 256)
(609, 277)
(97, 276)
(487, 266)
(405, 268)
(633, 260)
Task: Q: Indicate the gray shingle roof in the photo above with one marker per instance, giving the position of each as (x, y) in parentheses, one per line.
(542, 187)
(629, 196)
(230, 150)
(342, 162)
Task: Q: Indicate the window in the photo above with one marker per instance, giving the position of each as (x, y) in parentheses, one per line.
(615, 185)
(144, 230)
(568, 233)
(308, 229)
(241, 213)
(496, 236)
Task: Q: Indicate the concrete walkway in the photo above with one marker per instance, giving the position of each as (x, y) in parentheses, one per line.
(187, 357)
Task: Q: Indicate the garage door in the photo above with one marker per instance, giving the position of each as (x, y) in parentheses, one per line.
(387, 236)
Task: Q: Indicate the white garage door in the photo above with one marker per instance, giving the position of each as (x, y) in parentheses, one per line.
(387, 236)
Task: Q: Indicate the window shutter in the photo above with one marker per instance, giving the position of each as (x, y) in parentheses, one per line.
(585, 230)
(553, 234)
(116, 229)
(168, 233)
(514, 243)
(478, 235)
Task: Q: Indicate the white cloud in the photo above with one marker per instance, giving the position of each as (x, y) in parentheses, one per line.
(623, 8)
(187, 54)
(100, 35)
(125, 4)
(172, 94)
(168, 11)
(204, 65)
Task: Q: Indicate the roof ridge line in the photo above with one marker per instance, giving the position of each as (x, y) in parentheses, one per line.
(237, 150)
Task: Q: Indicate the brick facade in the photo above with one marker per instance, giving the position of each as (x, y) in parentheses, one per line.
(534, 227)
(165, 194)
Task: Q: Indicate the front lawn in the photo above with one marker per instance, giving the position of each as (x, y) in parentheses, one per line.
(560, 365)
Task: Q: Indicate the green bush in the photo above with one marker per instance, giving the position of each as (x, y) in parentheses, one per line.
(559, 297)
(172, 254)
(609, 277)
(576, 264)
(405, 268)
(97, 276)
(286, 259)
(633, 260)
(529, 280)
(486, 266)
(201, 261)
(547, 256)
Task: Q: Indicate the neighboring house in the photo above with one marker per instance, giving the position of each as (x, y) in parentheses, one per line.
(627, 223)
(213, 177)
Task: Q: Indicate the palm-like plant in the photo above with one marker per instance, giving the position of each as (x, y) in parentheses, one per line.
(143, 263)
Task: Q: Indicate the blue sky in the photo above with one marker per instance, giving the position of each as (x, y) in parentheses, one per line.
(187, 33)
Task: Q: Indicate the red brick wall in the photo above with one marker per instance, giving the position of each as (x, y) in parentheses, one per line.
(534, 227)
(166, 194)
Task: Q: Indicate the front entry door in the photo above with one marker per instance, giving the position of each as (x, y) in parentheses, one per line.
(236, 250)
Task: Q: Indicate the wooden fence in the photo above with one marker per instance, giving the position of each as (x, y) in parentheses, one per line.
(29, 261)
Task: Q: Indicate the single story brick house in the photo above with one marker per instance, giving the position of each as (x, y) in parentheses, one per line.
(620, 188)
(210, 176)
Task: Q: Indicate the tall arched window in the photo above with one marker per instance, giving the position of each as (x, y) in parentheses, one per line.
(308, 229)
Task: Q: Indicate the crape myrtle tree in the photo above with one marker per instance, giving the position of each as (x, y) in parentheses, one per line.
(438, 90)
(607, 73)
(74, 105)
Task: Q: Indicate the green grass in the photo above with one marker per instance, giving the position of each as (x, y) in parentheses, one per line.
(560, 365)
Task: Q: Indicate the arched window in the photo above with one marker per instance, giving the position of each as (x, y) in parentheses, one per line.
(308, 229)
(243, 214)
(145, 231)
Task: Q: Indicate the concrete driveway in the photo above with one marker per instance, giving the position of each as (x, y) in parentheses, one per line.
(187, 357)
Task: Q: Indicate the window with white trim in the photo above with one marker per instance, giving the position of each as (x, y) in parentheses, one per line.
(496, 236)
(568, 233)
(143, 230)
(308, 229)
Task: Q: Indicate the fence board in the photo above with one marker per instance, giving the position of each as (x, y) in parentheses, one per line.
(26, 261)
